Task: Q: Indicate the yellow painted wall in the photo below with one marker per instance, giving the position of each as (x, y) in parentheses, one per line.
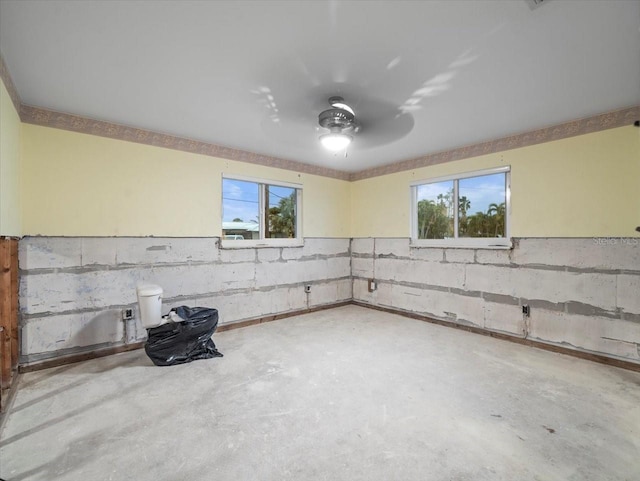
(82, 185)
(582, 186)
(10, 219)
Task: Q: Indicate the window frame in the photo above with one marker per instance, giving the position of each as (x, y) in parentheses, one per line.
(462, 242)
(298, 240)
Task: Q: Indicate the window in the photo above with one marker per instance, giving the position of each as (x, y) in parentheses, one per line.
(264, 212)
(465, 210)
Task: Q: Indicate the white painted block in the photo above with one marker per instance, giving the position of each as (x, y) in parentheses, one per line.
(557, 286)
(159, 250)
(503, 318)
(292, 253)
(98, 251)
(314, 246)
(362, 267)
(360, 291)
(62, 292)
(363, 245)
(430, 273)
(493, 279)
(345, 290)
(628, 293)
(493, 256)
(553, 286)
(597, 334)
(337, 267)
(434, 254)
(398, 247)
(292, 272)
(325, 293)
(269, 254)
(49, 252)
(465, 256)
(229, 256)
(401, 297)
(53, 333)
(600, 253)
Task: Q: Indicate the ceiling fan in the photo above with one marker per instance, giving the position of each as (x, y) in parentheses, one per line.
(341, 121)
(361, 122)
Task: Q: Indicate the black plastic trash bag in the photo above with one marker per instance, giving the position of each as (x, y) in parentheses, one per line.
(186, 341)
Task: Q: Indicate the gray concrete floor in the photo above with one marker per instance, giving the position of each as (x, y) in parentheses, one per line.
(342, 394)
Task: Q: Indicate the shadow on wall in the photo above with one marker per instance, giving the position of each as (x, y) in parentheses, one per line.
(104, 327)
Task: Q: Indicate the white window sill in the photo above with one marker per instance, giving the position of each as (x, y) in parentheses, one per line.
(474, 243)
(262, 243)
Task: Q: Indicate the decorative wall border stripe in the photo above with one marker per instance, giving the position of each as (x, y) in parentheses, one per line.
(8, 83)
(75, 123)
(609, 120)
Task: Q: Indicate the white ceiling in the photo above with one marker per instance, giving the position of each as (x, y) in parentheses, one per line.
(422, 76)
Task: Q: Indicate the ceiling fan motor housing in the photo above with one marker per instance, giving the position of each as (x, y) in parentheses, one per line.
(336, 119)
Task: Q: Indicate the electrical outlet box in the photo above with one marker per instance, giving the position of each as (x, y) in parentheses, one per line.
(127, 314)
(307, 288)
(372, 285)
(526, 312)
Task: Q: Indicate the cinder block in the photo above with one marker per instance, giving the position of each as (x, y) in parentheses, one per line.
(468, 310)
(552, 286)
(337, 267)
(435, 254)
(345, 290)
(64, 292)
(392, 269)
(322, 293)
(314, 246)
(407, 298)
(292, 253)
(465, 256)
(362, 246)
(54, 333)
(237, 307)
(628, 293)
(383, 295)
(398, 247)
(269, 254)
(584, 253)
(612, 337)
(233, 276)
(362, 267)
(486, 278)
(197, 280)
(159, 250)
(503, 318)
(493, 256)
(49, 252)
(361, 292)
(281, 273)
(598, 290)
(431, 273)
(99, 251)
(229, 256)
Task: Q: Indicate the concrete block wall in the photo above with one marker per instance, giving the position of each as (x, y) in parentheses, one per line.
(73, 289)
(583, 294)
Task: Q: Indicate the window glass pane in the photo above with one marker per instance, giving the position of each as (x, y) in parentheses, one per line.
(240, 210)
(281, 211)
(481, 205)
(435, 210)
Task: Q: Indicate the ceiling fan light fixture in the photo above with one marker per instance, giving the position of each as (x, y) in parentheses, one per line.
(335, 141)
(340, 121)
